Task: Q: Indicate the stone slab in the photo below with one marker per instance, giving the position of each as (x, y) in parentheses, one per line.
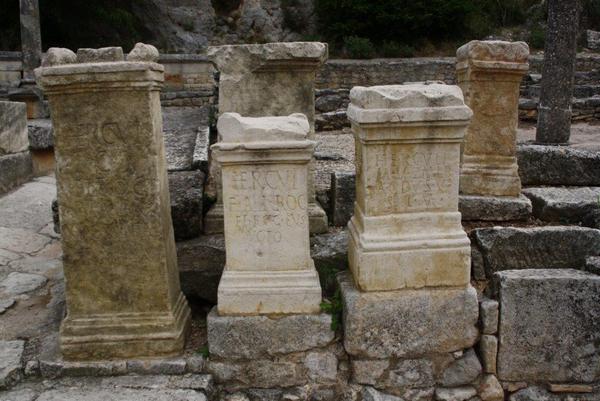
(100, 394)
(342, 197)
(16, 168)
(557, 165)
(21, 241)
(549, 247)
(549, 325)
(21, 283)
(186, 194)
(251, 337)
(28, 207)
(494, 208)
(200, 156)
(13, 127)
(563, 204)
(180, 128)
(11, 353)
(535, 393)
(407, 323)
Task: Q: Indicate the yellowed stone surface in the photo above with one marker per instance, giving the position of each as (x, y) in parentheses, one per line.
(489, 73)
(406, 230)
(122, 284)
(273, 79)
(265, 171)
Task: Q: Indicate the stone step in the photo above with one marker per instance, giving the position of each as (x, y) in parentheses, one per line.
(557, 165)
(563, 204)
(550, 247)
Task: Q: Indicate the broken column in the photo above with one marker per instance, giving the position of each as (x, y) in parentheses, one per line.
(267, 324)
(265, 170)
(274, 79)
(408, 304)
(489, 74)
(122, 284)
(560, 50)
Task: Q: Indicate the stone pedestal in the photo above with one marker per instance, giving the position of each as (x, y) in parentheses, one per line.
(122, 284)
(274, 79)
(560, 50)
(489, 74)
(264, 173)
(407, 161)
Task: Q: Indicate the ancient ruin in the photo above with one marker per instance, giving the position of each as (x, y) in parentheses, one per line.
(120, 264)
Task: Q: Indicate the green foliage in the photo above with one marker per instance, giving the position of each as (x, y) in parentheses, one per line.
(357, 47)
(537, 37)
(394, 49)
(334, 307)
(203, 351)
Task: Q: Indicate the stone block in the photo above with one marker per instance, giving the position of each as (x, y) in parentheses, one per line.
(558, 165)
(488, 316)
(494, 208)
(342, 197)
(455, 394)
(488, 352)
(407, 323)
(557, 312)
(186, 194)
(17, 168)
(489, 389)
(181, 130)
(13, 128)
(243, 337)
(200, 156)
(11, 365)
(122, 394)
(551, 247)
(41, 134)
(592, 264)
(593, 39)
(535, 393)
(102, 55)
(563, 204)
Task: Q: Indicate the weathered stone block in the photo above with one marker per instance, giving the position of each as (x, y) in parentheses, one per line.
(494, 208)
(41, 134)
(455, 394)
(563, 204)
(342, 197)
(407, 323)
(556, 311)
(558, 165)
(243, 337)
(462, 371)
(489, 389)
(488, 352)
(13, 128)
(104, 54)
(535, 393)
(488, 316)
(185, 189)
(16, 168)
(10, 362)
(552, 247)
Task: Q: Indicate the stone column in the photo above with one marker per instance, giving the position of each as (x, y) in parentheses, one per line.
(31, 38)
(274, 79)
(265, 172)
(122, 283)
(407, 173)
(554, 110)
(489, 74)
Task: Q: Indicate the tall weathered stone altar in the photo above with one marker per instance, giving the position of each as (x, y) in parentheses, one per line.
(122, 284)
(265, 172)
(489, 74)
(274, 79)
(408, 304)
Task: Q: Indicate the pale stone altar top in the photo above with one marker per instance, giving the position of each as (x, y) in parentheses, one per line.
(237, 129)
(493, 54)
(232, 58)
(425, 101)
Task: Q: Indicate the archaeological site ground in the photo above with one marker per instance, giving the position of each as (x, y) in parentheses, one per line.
(272, 200)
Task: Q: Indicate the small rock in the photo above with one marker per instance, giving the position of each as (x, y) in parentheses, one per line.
(195, 364)
(370, 394)
(20, 283)
(11, 365)
(462, 371)
(455, 394)
(32, 368)
(511, 387)
(104, 54)
(488, 352)
(592, 264)
(490, 389)
(321, 366)
(58, 56)
(143, 52)
(6, 304)
(488, 316)
(563, 204)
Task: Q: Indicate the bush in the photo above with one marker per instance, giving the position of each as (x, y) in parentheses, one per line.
(395, 49)
(357, 47)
